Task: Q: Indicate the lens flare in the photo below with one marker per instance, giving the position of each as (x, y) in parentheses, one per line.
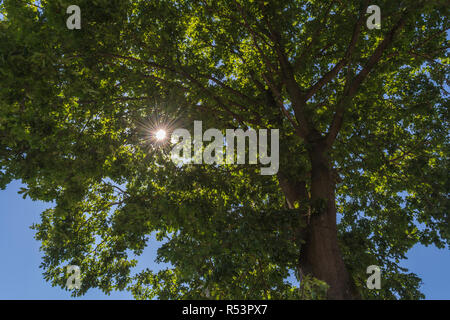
(160, 135)
(154, 131)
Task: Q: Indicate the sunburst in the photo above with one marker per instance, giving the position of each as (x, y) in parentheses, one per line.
(155, 130)
(160, 135)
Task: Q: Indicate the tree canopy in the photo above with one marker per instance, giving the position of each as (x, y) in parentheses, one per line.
(363, 123)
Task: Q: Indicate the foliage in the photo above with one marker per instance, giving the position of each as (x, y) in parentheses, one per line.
(72, 101)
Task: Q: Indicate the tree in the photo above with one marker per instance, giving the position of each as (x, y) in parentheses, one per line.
(363, 142)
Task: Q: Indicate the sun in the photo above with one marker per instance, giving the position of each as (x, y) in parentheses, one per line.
(154, 131)
(160, 135)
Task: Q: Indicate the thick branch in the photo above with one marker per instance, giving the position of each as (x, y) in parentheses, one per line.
(292, 86)
(354, 85)
(335, 70)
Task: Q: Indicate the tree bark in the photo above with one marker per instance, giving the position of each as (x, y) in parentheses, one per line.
(320, 255)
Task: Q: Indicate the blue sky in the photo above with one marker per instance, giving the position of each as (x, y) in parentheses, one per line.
(20, 275)
(21, 278)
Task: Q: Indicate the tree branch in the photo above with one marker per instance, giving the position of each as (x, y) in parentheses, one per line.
(354, 85)
(292, 86)
(335, 70)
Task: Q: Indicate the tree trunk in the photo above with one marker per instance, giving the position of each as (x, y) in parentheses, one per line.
(320, 255)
